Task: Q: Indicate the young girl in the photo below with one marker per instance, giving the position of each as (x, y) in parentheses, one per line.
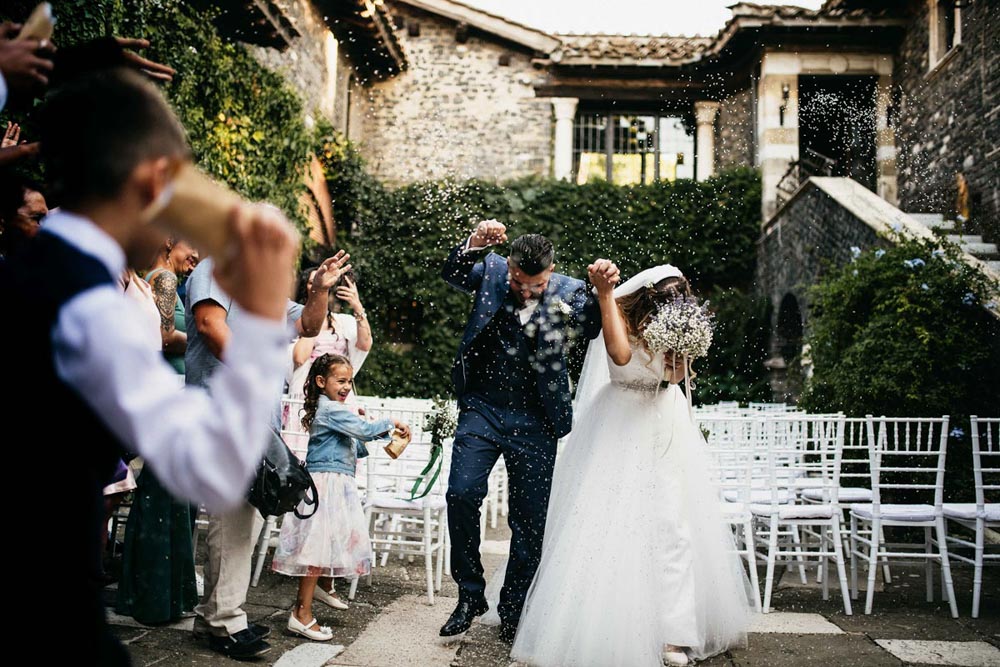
(334, 542)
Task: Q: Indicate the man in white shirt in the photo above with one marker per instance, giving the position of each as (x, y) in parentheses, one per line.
(89, 385)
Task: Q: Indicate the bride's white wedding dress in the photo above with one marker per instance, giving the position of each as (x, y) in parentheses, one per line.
(636, 554)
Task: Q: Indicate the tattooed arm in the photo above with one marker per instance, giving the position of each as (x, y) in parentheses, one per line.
(165, 291)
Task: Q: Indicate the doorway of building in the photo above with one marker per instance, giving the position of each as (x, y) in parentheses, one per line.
(837, 116)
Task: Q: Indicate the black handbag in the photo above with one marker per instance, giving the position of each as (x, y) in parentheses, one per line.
(282, 482)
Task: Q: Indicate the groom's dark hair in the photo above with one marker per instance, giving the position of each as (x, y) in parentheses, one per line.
(532, 253)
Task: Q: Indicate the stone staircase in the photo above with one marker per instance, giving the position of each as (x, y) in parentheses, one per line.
(972, 244)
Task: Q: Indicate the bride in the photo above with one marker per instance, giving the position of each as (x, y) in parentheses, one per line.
(637, 564)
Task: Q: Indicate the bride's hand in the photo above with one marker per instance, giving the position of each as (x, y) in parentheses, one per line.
(604, 275)
(673, 368)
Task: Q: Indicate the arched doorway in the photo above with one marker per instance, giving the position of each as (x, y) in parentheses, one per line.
(788, 336)
(786, 348)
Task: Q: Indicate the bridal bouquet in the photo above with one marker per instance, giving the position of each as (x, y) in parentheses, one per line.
(682, 326)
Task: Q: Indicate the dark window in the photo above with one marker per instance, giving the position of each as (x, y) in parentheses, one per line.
(945, 29)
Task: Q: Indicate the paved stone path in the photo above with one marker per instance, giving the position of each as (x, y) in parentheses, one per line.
(390, 624)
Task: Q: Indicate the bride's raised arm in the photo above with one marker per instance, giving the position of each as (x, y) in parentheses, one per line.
(604, 276)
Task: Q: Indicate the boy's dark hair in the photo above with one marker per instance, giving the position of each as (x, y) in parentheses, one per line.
(532, 253)
(96, 129)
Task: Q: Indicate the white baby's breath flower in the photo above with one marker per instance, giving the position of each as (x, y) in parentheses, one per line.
(682, 326)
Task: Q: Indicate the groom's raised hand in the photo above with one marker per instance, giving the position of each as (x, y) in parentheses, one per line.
(488, 233)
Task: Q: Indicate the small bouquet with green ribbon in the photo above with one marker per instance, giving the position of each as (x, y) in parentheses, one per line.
(441, 424)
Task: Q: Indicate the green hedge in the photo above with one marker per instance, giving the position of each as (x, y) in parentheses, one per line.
(401, 238)
(905, 331)
(244, 122)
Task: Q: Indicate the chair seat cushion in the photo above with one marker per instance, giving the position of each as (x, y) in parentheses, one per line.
(387, 502)
(895, 512)
(969, 512)
(794, 511)
(808, 482)
(847, 494)
(757, 496)
(732, 511)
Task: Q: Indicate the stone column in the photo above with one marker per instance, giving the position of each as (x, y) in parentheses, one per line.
(777, 123)
(704, 147)
(885, 142)
(565, 112)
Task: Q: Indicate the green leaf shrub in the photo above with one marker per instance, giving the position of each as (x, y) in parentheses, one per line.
(905, 331)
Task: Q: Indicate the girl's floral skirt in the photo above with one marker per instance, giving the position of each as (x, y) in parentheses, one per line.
(331, 543)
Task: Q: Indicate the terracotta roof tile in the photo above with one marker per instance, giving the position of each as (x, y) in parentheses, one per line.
(630, 49)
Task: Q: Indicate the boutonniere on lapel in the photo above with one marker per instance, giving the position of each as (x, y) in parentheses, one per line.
(554, 314)
(561, 307)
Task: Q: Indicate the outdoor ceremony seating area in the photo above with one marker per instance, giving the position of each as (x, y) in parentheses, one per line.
(804, 493)
(802, 490)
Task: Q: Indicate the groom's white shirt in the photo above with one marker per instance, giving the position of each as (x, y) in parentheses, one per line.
(525, 312)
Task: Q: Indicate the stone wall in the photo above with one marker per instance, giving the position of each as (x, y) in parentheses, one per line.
(949, 118)
(811, 232)
(734, 134)
(313, 64)
(456, 112)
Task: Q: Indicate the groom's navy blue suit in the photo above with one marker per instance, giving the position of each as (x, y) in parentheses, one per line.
(514, 397)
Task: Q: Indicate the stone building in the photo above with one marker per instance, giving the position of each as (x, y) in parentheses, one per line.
(900, 95)
(329, 51)
(862, 116)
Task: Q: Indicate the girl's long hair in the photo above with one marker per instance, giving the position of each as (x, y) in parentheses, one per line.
(640, 306)
(320, 368)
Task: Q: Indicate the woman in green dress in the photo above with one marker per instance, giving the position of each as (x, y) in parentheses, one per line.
(158, 577)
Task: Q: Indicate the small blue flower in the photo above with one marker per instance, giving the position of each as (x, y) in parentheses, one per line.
(969, 298)
(879, 253)
(897, 227)
(855, 251)
(913, 263)
(937, 253)
(957, 433)
(924, 286)
(960, 218)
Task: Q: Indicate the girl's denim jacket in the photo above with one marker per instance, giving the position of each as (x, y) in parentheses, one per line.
(337, 437)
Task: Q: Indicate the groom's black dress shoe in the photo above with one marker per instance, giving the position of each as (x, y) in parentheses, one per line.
(507, 632)
(461, 619)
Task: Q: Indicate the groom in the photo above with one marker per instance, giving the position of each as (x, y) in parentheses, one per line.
(513, 388)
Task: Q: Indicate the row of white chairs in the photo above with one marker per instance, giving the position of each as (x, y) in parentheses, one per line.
(788, 479)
